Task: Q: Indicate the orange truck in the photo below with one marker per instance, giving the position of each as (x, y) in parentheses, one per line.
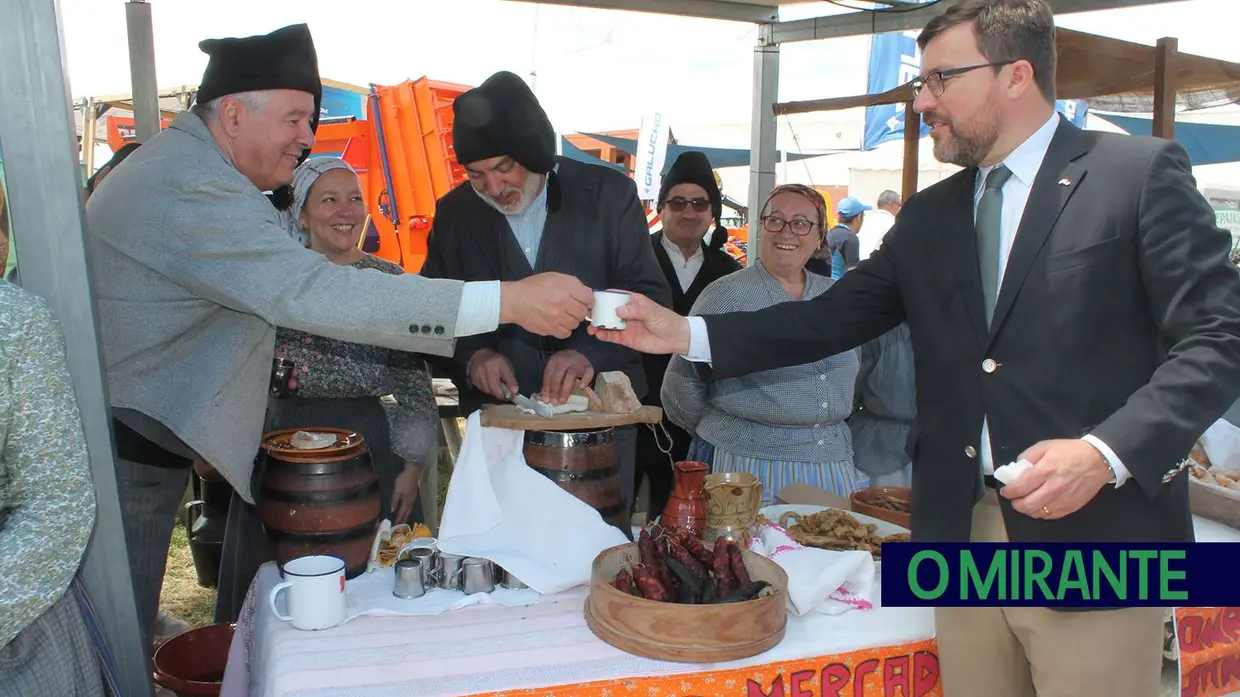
(403, 154)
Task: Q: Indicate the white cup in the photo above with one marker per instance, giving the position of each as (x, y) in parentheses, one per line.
(604, 313)
(315, 592)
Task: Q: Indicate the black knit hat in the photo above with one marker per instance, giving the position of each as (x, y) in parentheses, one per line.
(503, 117)
(285, 59)
(693, 167)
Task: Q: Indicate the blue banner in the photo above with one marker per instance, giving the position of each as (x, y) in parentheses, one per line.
(1101, 575)
(895, 60)
(339, 102)
(1075, 110)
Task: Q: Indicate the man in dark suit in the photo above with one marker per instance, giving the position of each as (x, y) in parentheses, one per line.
(1069, 302)
(690, 204)
(525, 211)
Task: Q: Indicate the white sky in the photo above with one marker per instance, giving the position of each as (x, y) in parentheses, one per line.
(596, 69)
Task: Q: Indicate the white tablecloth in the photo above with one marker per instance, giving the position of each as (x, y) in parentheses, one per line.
(487, 648)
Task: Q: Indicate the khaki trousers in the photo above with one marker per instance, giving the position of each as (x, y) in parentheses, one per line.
(1033, 651)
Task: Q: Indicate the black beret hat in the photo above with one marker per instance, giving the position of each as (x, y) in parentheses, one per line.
(285, 59)
(502, 117)
(692, 167)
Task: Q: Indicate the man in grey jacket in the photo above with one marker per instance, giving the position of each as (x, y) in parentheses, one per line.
(192, 272)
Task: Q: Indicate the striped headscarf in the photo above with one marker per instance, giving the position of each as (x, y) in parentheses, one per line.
(812, 195)
(306, 174)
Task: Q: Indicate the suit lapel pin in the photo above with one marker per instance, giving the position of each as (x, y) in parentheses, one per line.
(1065, 182)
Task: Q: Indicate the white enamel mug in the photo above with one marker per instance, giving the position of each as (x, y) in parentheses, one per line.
(315, 592)
(603, 314)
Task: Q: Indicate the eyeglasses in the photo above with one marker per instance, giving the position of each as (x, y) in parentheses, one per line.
(775, 224)
(701, 205)
(937, 80)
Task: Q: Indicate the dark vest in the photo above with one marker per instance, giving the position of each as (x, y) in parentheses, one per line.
(715, 265)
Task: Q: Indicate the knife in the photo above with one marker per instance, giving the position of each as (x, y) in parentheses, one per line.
(543, 410)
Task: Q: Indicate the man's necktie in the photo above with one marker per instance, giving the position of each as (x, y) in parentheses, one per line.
(989, 219)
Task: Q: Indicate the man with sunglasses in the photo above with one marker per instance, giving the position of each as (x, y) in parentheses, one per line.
(1070, 303)
(690, 205)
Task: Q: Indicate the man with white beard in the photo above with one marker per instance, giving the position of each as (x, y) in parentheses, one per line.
(525, 211)
(192, 272)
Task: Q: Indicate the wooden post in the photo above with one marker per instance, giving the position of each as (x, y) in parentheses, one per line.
(90, 124)
(912, 142)
(1165, 87)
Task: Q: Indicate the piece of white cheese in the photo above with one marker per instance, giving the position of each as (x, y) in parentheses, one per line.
(1010, 472)
(306, 440)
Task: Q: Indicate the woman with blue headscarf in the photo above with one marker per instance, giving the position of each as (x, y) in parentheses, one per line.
(339, 384)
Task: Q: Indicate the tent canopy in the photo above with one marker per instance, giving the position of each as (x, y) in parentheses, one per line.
(719, 157)
(1112, 75)
(572, 152)
(1206, 143)
(737, 10)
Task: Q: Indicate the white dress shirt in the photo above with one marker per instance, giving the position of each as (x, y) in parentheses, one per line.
(877, 223)
(686, 269)
(1024, 162)
(479, 310)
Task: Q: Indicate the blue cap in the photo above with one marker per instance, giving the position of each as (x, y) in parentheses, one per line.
(850, 207)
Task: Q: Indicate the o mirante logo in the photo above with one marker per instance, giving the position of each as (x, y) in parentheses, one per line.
(1059, 575)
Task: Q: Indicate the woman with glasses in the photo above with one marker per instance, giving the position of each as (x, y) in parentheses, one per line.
(783, 426)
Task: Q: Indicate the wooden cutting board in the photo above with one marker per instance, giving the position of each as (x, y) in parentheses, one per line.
(509, 416)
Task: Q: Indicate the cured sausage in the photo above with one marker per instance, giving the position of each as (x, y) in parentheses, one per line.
(721, 564)
(646, 549)
(624, 583)
(651, 587)
(748, 591)
(691, 542)
(738, 565)
(680, 554)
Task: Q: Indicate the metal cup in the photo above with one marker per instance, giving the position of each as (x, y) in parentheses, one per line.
(511, 581)
(450, 571)
(281, 376)
(479, 575)
(430, 564)
(409, 583)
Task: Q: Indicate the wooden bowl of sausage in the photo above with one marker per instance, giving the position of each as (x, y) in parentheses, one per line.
(687, 633)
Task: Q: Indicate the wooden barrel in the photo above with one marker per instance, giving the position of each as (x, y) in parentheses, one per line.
(323, 501)
(583, 463)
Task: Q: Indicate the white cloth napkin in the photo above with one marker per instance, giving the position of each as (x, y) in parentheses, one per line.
(371, 594)
(500, 509)
(1222, 444)
(819, 580)
(1010, 472)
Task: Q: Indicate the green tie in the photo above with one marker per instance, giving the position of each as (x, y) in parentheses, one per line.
(989, 221)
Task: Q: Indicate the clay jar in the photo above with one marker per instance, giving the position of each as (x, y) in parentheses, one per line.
(321, 501)
(733, 502)
(687, 506)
